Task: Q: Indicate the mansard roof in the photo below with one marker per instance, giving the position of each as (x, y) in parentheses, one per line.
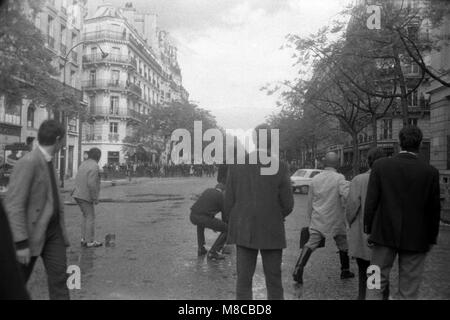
(108, 10)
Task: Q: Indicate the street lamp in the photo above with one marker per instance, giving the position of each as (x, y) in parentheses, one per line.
(63, 165)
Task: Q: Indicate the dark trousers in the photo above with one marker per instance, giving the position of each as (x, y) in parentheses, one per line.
(410, 269)
(246, 263)
(203, 221)
(54, 256)
(362, 276)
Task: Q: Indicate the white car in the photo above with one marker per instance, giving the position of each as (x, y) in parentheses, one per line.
(301, 179)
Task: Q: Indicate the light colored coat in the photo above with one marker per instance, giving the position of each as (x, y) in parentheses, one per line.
(29, 201)
(87, 181)
(357, 239)
(326, 199)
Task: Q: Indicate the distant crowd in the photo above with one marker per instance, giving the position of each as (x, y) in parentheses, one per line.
(142, 169)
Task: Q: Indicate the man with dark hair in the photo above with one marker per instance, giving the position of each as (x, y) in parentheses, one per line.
(36, 211)
(203, 214)
(86, 194)
(357, 239)
(257, 204)
(402, 213)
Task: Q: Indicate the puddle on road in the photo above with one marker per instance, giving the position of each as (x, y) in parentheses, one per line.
(140, 200)
(154, 194)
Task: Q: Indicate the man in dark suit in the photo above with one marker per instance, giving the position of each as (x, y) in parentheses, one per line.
(12, 284)
(257, 205)
(36, 210)
(402, 214)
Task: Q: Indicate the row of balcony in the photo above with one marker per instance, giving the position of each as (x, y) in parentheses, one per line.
(113, 84)
(112, 137)
(109, 111)
(122, 36)
(112, 58)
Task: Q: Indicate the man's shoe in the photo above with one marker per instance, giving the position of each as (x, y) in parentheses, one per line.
(347, 274)
(94, 244)
(202, 251)
(212, 255)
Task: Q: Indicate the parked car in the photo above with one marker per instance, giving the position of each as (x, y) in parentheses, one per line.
(301, 179)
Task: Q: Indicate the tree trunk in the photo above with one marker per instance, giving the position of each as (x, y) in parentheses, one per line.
(403, 87)
(355, 145)
(374, 131)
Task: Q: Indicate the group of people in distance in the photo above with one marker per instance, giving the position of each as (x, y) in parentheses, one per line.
(391, 210)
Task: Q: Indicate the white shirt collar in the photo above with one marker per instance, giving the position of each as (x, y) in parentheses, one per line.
(404, 151)
(47, 156)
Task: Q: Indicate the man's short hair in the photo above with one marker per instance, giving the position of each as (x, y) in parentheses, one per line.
(410, 138)
(49, 131)
(95, 154)
(375, 154)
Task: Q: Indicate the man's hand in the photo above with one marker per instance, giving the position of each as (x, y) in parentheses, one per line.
(23, 256)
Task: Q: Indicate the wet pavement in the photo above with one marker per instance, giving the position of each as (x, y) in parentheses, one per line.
(155, 253)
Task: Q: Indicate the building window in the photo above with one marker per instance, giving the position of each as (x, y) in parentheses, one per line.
(115, 52)
(72, 78)
(387, 129)
(413, 121)
(113, 127)
(92, 77)
(115, 76)
(413, 99)
(30, 116)
(114, 106)
(92, 104)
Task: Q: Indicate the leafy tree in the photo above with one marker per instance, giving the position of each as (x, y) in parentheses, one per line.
(156, 129)
(26, 69)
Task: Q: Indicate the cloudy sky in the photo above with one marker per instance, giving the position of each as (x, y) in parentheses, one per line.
(229, 49)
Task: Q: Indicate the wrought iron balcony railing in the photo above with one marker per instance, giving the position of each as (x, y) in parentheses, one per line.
(112, 84)
(107, 111)
(111, 58)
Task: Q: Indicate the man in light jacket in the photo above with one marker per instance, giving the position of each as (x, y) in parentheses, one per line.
(326, 198)
(86, 193)
(36, 210)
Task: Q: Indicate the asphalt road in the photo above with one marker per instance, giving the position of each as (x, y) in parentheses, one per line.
(155, 256)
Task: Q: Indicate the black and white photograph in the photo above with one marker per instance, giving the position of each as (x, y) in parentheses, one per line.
(225, 151)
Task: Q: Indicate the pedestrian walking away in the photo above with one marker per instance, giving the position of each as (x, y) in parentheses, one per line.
(257, 206)
(401, 215)
(86, 194)
(358, 246)
(326, 198)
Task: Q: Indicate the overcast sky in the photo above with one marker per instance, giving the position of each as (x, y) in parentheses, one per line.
(229, 49)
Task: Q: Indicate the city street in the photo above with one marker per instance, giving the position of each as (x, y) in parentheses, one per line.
(155, 254)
